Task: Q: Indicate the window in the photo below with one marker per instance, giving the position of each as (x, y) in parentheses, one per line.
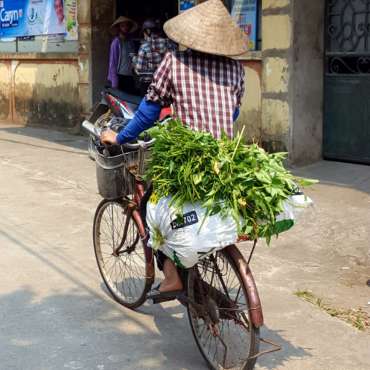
(247, 13)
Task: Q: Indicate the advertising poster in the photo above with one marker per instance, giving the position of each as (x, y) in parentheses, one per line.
(20, 18)
(244, 13)
(70, 12)
(185, 5)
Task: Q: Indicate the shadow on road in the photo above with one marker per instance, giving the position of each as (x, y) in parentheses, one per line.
(73, 331)
(83, 330)
(348, 175)
(42, 138)
(279, 358)
(167, 318)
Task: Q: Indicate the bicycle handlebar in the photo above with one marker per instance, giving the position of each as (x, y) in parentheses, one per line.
(96, 132)
(93, 130)
(140, 144)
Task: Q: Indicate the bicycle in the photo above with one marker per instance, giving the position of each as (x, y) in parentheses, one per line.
(220, 294)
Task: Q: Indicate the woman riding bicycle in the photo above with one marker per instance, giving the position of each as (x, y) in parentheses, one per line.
(203, 84)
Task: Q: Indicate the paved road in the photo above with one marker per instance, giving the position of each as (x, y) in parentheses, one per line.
(56, 314)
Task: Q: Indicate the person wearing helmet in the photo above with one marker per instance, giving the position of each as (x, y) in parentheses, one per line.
(122, 47)
(150, 54)
(203, 83)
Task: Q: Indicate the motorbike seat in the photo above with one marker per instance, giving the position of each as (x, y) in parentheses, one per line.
(128, 98)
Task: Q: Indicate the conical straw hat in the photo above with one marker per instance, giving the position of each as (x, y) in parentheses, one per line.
(208, 28)
(122, 19)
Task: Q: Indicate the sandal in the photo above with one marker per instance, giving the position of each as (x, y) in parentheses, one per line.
(157, 296)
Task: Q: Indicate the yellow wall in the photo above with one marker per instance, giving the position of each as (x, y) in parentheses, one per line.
(47, 94)
(49, 89)
(276, 50)
(42, 91)
(266, 110)
(250, 112)
(5, 96)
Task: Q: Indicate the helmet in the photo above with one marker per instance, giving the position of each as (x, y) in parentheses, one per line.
(150, 24)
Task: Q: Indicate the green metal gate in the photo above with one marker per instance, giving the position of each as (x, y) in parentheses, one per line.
(347, 81)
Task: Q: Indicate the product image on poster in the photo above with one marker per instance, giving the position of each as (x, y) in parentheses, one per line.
(70, 12)
(244, 13)
(20, 18)
(186, 4)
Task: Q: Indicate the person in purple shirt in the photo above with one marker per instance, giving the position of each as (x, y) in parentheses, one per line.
(122, 48)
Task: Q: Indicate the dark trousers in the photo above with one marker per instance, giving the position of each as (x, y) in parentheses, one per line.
(160, 257)
(141, 84)
(127, 84)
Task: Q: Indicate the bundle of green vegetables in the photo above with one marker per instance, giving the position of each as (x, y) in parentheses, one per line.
(225, 176)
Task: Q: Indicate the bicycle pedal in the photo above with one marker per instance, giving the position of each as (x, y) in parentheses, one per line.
(162, 299)
(166, 297)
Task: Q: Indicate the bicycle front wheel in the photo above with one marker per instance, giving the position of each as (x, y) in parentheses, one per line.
(219, 317)
(120, 253)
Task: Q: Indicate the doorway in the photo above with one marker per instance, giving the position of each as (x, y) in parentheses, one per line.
(347, 81)
(139, 10)
(103, 14)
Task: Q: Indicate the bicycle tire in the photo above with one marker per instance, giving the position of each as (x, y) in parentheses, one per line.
(120, 290)
(254, 332)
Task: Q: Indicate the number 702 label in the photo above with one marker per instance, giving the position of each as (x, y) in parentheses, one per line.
(187, 219)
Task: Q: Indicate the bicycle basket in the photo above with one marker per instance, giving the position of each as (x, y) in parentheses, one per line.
(116, 175)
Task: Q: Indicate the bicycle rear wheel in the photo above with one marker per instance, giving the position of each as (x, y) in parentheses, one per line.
(220, 320)
(120, 253)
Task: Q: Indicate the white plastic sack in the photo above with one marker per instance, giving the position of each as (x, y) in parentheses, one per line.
(187, 242)
(294, 206)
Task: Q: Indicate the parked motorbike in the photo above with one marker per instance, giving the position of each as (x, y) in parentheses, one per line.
(115, 109)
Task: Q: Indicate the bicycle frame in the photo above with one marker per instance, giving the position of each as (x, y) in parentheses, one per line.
(134, 209)
(255, 306)
(202, 307)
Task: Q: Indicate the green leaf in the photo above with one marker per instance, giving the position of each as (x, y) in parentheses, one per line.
(198, 178)
(263, 177)
(306, 182)
(225, 176)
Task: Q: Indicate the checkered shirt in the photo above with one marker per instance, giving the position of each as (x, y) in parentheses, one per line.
(150, 54)
(204, 90)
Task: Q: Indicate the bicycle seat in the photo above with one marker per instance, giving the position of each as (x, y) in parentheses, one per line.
(128, 98)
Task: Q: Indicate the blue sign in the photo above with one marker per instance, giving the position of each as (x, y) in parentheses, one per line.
(186, 4)
(12, 14)
(244, 13)
(20, 18)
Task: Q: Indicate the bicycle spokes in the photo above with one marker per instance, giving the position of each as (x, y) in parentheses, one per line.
(120, 253)
(219, 317)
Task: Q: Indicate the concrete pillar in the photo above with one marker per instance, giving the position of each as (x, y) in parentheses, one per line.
(103, 13)
(95, 18)
(307, 73)
(84, 21)
(276, 52)
(250, 112)
(292, 98)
